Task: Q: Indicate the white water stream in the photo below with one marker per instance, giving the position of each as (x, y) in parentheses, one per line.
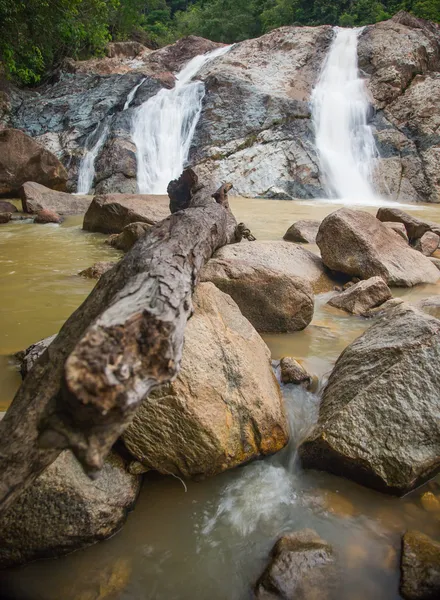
(344, 139)
(132, 94)
(163, 127)
(86, 173)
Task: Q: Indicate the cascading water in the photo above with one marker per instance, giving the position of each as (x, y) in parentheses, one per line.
(340, 109)
(132, 94)
(163, 127)
(86, 173)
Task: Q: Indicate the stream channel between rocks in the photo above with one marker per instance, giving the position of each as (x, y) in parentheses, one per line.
(211, 541)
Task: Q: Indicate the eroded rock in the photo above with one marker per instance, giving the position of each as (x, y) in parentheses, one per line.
(361, 297)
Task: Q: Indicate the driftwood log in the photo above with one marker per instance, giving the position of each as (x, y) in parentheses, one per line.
(121, 343)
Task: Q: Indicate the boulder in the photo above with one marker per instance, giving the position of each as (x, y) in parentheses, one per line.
(47, 216)
(362, 296)
(428, 243)
(23, 159)
(64, 510)
(292, 372)
(304, 231)
(97, 270)
(415, 227)
(379, 416)
(420, 567)
(356, 243)
(399, 228)
(5, 218)
(112, 212)
(124, 49)
(7, 207)
(27, 358)
(36, 197)
(302, 566)
(225, 407)
(129, 236)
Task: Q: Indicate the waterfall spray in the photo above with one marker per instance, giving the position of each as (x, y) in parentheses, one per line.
(163, 127)
(340, 109)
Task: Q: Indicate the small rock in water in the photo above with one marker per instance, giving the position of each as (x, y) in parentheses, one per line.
(420, 567)
(304, 231)
(7, 207)
(430, 502)
(129, 236)
(428, 243)
(361, 297)
(47, 216)
(97, 270)
(5, 218)
(303, 566)
(293, 372)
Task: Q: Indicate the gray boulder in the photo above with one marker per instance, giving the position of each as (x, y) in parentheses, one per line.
(362, 296)
(379, 416)
(420, 567)
(356, 243)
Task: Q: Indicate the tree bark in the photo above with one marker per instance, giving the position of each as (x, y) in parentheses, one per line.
(121, 343)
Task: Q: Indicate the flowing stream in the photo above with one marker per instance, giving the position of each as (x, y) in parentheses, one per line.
(86, 173)
(164, 125)
(340, 110)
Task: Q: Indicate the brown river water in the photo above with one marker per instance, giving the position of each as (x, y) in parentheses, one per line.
(211, 541)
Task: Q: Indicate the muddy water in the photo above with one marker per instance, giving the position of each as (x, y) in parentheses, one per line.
(212, 541)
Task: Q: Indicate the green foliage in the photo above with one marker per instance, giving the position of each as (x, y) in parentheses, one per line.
(35, 35)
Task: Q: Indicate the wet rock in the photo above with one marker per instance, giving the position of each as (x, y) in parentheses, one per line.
(97, 270)
(379, 311)
(47, 216)
(430, 305)
(23, 159)
(7, 207)
(36, 197)
(293, 372)
(110, 213)
(282, 257)
(304, 231)
(129, 236)
(378, 421)
(64, 510)
(302, 566)
(5, 218)
(415, 227)
(362, 296)
(428, 243)
(356, 243)
(420, 567)
(399, 228)
(27, 358)
(225, 407)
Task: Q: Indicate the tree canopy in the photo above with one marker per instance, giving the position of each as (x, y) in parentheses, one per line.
(35, 35)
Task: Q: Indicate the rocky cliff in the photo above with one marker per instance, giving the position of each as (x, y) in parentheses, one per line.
(255, 128)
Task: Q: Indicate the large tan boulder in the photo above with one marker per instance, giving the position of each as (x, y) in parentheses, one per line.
(36, 197)
(23, 159)
(379, 415)
(356, 243)
(110, 213)
(420, 567)
(225, 407)
(64, 510)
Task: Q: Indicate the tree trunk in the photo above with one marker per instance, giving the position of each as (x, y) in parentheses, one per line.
(122, 342)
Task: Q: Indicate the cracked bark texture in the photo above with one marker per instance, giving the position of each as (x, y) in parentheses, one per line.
(122, 342)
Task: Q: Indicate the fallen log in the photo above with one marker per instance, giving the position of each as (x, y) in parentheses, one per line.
(121, 343)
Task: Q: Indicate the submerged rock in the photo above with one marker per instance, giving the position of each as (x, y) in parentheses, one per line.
(379, 416)
(293, 372)
(428, 243)
(112, 212)
(303, 566)
(129, 236)
(363, 296)
(97, 270)
(23, 159)
(304, 231)
(420, 567)
(64, 510)
(356, 243)
(225, 407)
(36, 197)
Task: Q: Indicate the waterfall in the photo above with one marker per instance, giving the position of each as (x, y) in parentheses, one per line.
(86, 173)
(164, 125)
(132, 94)
(340, 109)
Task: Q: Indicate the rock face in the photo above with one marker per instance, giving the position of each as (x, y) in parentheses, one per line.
(379, 417)
(129, 236)
(225, 407)
(22, 159)
(362, 296)
(303, 231)
(356, 243)
(112, 212)
(36, 197)
(428, 243)
(64, 510)
(420, 567)
(302, 566)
